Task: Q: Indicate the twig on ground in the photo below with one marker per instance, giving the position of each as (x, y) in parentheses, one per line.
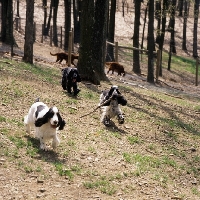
(105, 102)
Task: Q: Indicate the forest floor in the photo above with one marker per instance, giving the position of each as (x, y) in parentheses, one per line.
(154, 155)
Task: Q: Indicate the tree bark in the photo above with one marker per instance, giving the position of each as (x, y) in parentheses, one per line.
(91, 51)
(67, 22)
(7, 23)
(158, 17)
(99, 38)
(136, 55)
(162, 36)
(150, 75)
(111, 32)
(196, 15)
(84, 66)
(76, 21)
(29, 32)
(184, 47)
(55, 11)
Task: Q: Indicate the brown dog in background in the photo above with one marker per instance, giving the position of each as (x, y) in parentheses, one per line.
(64, 56)
(115, 66)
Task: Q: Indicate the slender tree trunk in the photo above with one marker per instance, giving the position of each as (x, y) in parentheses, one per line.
(29, 30)
(162, 36)
(136, 56)
(49, 19)
(67, 22)
(76, 21)
(184, 47)
(158, 17)
(172, 19)
(45, 17)
(196, 16)
(150, 75)
(145, 18)
(55, 11)
(111, 33)
(180, 8)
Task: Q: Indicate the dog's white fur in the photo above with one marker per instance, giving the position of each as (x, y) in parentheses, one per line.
(45, 131)
(112, 110)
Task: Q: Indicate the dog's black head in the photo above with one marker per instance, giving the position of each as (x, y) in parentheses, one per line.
(114, 91)
(114, 94)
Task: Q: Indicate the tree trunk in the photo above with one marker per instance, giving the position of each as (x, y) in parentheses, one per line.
(49, 20)
(158, 17)
(55, 11)
(67, 22)
(85, 51)
(29, 30)
(111, 32)
(145, 18)
(76, 21)
(136, 55)
(99, 38)
(4, 20)
(196, 15)
(184, 47)
(150, 75)
(180, 8)
(162, 36)
(7, 22)
(45, 17)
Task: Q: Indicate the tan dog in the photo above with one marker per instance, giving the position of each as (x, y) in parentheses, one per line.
(115, 66)
(64, 56)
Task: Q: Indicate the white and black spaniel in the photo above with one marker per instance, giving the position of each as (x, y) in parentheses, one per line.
(110, 101)
(46, 122)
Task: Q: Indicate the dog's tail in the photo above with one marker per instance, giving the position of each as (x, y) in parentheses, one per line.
(53, 54)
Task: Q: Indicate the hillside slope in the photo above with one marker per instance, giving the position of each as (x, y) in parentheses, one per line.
(154, 155)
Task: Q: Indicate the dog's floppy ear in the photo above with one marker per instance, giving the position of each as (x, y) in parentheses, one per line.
(121, 100)
(43, 120)
(40, 121)
(61, 122)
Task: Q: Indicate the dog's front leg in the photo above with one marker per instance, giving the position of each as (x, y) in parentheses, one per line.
(120, 116)
(55, 141)
(43, 144)
(28, 128)
(105, 119)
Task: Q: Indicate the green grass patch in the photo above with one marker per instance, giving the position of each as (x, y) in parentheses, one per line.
(104, 185)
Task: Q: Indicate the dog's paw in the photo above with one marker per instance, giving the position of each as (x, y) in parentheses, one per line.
(120, 119)
(43, 147)
(76, 92)
(106, 122)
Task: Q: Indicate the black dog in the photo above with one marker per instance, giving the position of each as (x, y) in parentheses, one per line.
(70, 77)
